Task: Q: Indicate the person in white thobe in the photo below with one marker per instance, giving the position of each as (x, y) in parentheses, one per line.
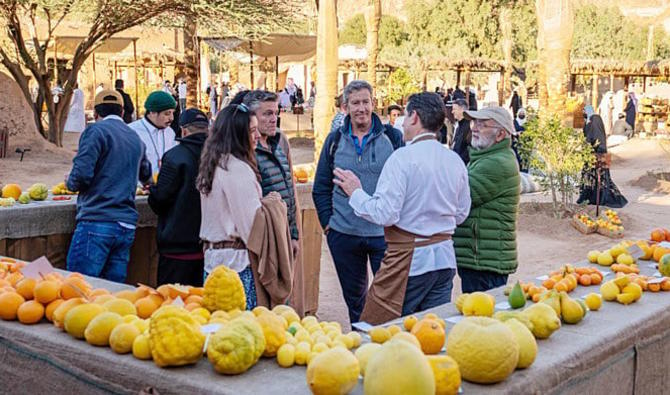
(76, 118)
(423, 190)
(158, 141)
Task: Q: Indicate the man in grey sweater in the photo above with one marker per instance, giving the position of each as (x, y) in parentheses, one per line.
(362, 144)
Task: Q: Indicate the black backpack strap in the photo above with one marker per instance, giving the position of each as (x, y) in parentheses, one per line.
(333, 148)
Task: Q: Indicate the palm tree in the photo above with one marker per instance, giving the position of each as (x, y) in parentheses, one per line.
(555, 22)
(326, 71)
(373, 19)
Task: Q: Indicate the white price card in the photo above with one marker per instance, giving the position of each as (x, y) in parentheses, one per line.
(38, 268)
(210, 328)
(178, 302)
(362, 326)
(542, 278)
(455, 319)
(503, 306)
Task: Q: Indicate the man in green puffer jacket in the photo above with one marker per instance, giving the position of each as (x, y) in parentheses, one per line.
(486, 242)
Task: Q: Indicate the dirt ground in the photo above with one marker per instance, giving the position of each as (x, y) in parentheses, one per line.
(544, 242)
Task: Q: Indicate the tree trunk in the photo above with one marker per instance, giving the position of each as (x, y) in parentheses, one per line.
(191, 62)
(505, 20)
(373, 19)
(555, 22)
(326, 72)
(650, 43)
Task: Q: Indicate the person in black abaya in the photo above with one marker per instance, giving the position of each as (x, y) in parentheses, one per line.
(594, 131)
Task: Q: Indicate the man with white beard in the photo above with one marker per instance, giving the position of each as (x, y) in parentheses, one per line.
(485, 242)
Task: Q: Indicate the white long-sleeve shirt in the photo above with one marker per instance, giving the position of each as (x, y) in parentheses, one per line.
(157, 141)
(423, 189)
(228, 213)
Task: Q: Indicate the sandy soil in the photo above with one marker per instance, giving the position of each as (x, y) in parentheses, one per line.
(640, 168)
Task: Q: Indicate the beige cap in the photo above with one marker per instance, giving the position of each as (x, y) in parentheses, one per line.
(498, 114)
(108, 96)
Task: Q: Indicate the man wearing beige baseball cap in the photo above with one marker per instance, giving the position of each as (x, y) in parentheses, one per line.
(110, 159)
(485, 243)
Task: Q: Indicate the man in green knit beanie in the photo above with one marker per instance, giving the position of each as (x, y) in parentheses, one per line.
(154, 129)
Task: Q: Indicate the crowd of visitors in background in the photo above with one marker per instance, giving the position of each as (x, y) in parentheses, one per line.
(391, 199)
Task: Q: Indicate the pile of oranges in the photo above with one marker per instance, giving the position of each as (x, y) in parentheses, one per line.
(29, 300)
(568, 277)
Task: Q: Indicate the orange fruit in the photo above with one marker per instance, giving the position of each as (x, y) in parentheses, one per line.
(192, 306)
(194, 299)
(164, 291)
(142, 291)
(74, 287)
(26, 288)
(549, 283)
(667, 234)
(98, 292)
(14, 278)
(9, 304)
(145, 307)
(585, 280)
(561, 286)
(51, 307)
(46, 291)
(200, 291)
(11, 190)
(658, 234)
(178, 290)
(127, 294)
(156, 298)
(659, 252)
(430, 334)
(596, 278)
(101, 299)
(30, 312)
(665, 285)
(55, 276)
(76, 274)
(655, 287)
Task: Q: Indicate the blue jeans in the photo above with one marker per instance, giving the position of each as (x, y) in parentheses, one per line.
(101, 249)
(351, 255)
(480, 280)
(428, 290)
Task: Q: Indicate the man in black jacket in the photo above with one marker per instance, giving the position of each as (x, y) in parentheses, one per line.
(462, 133)
(176, 201)
(128, 107)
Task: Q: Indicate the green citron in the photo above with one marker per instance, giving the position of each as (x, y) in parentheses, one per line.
(516, 298)
(24, 198)
(38, 191)
(571, 311)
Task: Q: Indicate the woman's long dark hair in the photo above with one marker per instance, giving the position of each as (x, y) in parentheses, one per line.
(229, 136)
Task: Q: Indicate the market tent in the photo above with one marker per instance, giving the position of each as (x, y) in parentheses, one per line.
(67, 45)
(287, 47)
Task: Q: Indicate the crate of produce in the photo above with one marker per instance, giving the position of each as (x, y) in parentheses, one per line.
(584, 223)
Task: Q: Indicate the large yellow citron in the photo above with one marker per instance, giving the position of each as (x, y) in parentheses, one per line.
(224, 291)
(333, 372)
(175, 337)
(273, 331)
(485, 349)
(237, 346)
(398, 368)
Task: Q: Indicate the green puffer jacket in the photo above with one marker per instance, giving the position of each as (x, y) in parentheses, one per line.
(487, 238)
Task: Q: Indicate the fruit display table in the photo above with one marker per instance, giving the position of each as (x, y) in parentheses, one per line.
(45, 228)
(616, 350)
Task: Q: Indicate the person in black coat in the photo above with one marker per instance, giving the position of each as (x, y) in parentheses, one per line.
(593, 188)
(128, 107)
(631, 110)
(462, 134)
(176, 202)
(516, 103)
